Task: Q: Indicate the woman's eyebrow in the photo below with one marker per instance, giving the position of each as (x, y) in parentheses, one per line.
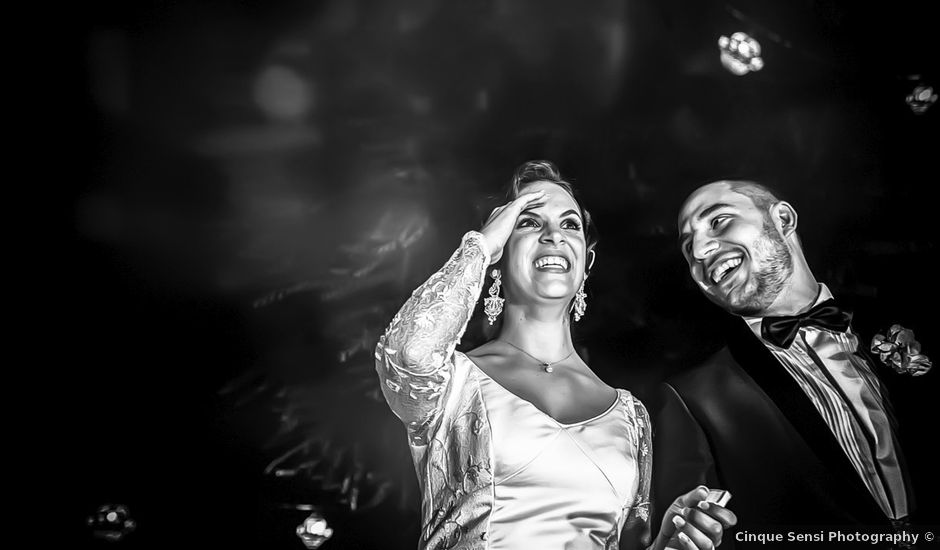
(570, 212)
(531, 211)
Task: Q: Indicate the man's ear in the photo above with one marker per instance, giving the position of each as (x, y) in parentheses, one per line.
(784, 217)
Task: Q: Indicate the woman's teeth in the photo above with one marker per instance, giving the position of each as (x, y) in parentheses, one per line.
(546, 261)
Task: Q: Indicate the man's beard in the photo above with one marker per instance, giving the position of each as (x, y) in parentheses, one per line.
(766, 283)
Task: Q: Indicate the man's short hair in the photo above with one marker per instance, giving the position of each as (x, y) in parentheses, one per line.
(762, 197)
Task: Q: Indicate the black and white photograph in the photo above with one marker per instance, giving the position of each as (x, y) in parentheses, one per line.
(496, 275)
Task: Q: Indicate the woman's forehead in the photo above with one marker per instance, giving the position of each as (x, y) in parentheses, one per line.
(559, 199)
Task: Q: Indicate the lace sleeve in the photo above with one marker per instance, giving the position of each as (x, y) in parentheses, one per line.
(645, 452)
(414, 358)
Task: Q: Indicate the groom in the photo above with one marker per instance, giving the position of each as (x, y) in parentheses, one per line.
(792, 417)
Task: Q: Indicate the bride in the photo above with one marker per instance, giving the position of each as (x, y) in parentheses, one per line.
(518, 444)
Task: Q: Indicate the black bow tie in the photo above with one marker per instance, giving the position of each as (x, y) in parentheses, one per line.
(781, 331)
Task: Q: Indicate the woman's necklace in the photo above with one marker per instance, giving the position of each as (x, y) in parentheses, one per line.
(546, 366)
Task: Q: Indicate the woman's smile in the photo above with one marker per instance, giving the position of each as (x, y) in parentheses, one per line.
(553, 263)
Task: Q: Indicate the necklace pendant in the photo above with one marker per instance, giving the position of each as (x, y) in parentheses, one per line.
(549, 369)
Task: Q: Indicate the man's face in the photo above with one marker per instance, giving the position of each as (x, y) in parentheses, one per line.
(734, 251)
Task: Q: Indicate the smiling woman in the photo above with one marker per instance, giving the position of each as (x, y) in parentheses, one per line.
(518, 444)
(546, 252)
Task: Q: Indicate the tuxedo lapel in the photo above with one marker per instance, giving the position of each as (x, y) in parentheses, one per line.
(754, 357)
(886, 377)
(888, 380)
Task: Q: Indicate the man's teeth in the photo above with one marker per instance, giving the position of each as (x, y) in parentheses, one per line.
(551, 260)
(723, 268)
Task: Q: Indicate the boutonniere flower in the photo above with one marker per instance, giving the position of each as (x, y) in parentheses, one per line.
(900, 351)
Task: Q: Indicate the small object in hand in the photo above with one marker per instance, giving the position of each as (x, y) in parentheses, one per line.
(718, 496)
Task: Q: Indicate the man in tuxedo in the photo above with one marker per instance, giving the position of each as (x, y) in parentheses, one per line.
(792, 416)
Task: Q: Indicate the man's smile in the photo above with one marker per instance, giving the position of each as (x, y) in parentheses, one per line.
(725, 268)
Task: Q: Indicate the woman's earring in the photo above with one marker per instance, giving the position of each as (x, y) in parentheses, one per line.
(580, 304)
(493, 305)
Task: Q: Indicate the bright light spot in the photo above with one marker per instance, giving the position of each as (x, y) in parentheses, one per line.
(740, 54)
(315, 526)
(314, 531)
(733, 65)
(921, 98)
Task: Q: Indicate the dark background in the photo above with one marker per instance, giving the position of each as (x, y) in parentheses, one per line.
(257, 186)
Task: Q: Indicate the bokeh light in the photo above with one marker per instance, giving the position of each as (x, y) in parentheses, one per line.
(740, 53)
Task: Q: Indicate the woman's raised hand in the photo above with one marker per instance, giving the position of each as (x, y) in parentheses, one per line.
(502, 220)
(692, 523)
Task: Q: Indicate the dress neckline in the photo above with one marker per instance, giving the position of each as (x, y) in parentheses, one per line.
(598, 416)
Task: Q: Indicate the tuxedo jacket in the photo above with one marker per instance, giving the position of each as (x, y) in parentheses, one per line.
(740, 422)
